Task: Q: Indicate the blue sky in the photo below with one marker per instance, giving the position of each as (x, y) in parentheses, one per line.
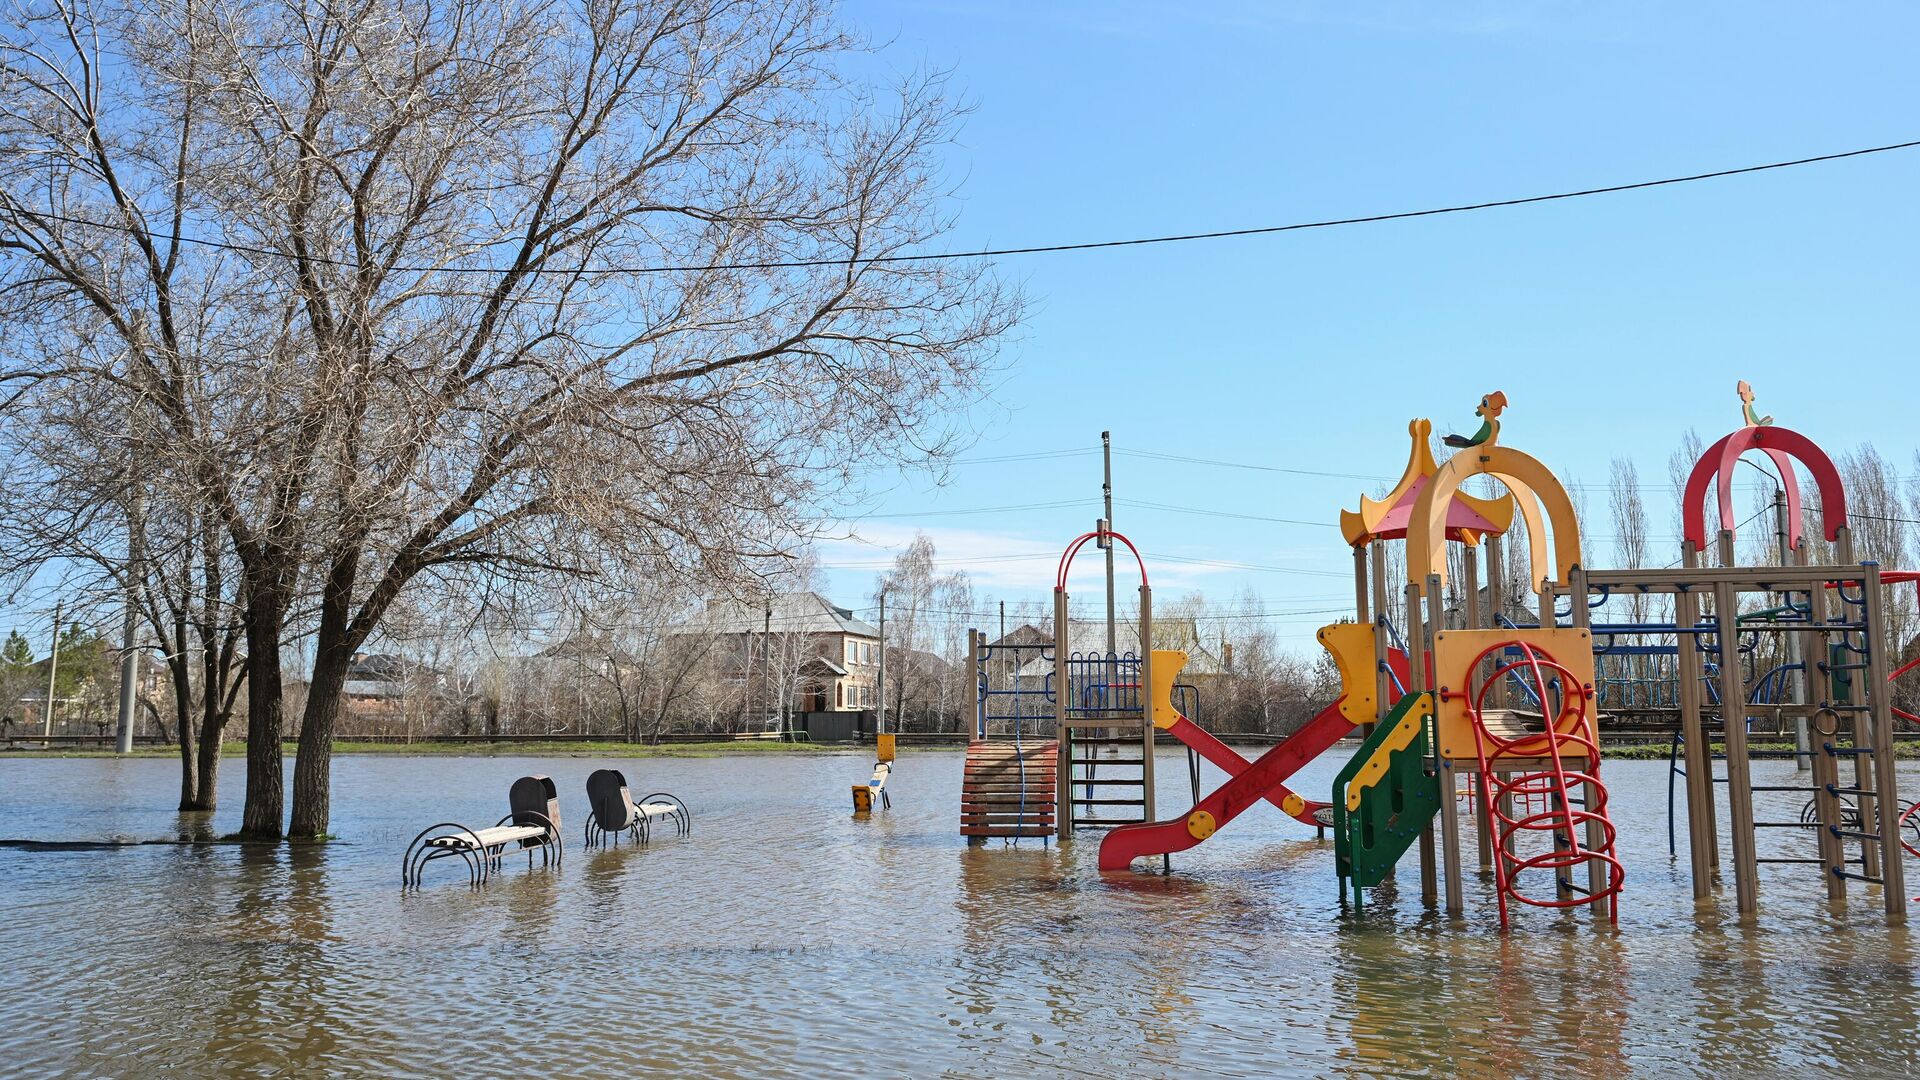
(1612, 323)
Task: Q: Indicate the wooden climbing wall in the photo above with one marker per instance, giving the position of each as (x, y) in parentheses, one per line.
(995, 800)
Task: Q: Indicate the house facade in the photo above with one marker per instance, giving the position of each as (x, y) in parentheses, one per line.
(798, 651)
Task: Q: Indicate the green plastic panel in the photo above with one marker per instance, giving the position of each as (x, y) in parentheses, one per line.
(1393, 812)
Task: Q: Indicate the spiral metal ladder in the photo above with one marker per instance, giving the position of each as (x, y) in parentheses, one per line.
(1559, 790)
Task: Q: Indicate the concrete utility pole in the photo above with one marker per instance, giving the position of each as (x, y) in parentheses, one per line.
(766, 646)
(129, 633)
(880, 689)
(129, 677)
(1106, 525)
(53, 672)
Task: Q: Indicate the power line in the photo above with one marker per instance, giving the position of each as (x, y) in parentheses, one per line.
(1035, 249)
(979, 510)
(1225, 514)
(1190, 460)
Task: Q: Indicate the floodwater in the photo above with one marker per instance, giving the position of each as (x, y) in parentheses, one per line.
(787, 938)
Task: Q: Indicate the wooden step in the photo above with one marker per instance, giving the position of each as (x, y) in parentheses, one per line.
(1005, 830)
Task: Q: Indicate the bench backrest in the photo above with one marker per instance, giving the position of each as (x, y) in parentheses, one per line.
(610, 800)
(531, 795)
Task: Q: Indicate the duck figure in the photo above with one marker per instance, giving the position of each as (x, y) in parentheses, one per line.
(1490, 408)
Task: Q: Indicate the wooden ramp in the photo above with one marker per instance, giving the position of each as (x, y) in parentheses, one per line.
(1008, 792)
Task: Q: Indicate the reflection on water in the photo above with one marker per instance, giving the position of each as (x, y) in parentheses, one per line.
(787, 937)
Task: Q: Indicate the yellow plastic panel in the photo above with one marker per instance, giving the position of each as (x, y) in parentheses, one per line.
(1351, 646)
(1167, 666)
(1454, 652)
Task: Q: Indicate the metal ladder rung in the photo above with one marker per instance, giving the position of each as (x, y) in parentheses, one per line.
(1868, 878)
(1853, 833)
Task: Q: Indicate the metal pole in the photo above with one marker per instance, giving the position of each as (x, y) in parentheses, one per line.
(1144, 695)
(53, 672)
(880, 691)
(1106, 495)
(1063, 729)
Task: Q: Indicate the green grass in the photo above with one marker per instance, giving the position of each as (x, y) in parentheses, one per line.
(1659, 751)
(609, 748)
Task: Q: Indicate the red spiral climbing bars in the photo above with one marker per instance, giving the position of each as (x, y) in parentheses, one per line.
(1550, 789)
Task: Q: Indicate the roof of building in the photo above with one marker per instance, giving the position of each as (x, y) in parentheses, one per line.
(786, 613)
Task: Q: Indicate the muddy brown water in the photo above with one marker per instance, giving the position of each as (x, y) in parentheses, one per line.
(787, 938)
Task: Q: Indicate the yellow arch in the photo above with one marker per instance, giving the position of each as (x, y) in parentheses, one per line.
(1534, 488)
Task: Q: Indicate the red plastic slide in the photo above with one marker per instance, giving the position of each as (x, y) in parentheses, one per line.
(1264, 778)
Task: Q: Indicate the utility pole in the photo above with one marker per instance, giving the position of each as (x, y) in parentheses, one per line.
(53, 672)
(1106, 525)
(129, 628)
(1802, 761)
(766, 647)
(880, 690)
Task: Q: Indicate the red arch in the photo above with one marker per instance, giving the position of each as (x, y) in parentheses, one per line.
(1066, 559)
(1783, 447)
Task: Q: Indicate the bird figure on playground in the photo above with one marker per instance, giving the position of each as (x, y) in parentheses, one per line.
(1752, 415)
(1490, 408)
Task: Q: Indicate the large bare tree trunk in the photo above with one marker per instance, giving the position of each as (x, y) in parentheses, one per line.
(266, 788)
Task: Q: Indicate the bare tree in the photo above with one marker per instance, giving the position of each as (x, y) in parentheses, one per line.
(522, 287)
(918, 599)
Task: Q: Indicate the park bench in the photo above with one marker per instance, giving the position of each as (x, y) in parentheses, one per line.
(612, 811)
(532, 824)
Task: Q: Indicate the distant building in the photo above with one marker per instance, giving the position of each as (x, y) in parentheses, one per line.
(833, 657)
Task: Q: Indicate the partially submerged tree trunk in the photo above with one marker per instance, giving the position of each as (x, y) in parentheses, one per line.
(262, 817)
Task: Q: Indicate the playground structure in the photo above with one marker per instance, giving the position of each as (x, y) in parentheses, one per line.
(1092, 705)
(1503, 706)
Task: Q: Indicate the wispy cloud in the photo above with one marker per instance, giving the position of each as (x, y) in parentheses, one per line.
(1006, 562)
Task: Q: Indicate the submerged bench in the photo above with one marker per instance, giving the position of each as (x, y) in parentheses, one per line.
(532, 824)
(612, 811)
